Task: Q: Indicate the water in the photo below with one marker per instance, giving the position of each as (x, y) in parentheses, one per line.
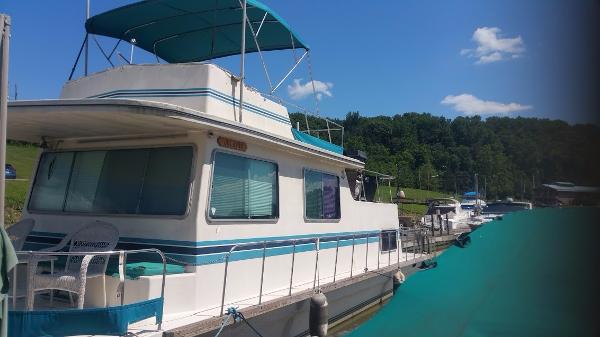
(534, 273)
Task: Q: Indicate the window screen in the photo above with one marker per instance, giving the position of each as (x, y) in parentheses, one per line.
(243, 188)
(132, 181)
(321, 195)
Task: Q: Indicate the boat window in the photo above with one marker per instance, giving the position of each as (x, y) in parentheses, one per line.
(130, 181)
(321, 195)
(389, 241)
(243, 188)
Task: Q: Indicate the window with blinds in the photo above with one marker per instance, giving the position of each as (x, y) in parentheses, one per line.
(243, 188)
(321, 195)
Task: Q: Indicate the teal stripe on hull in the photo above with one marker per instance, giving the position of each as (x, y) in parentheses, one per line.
(191, 92)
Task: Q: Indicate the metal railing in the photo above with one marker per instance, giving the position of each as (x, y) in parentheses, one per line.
(393, 236)
(33, 255)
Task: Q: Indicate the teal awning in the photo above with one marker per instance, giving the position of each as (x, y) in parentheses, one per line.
(192, 31)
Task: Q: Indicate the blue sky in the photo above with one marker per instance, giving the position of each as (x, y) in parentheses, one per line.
(376, 57)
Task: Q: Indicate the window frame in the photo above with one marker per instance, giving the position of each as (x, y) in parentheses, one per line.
(307, 219)
(212, 220)
(190, 184)
(395, 242)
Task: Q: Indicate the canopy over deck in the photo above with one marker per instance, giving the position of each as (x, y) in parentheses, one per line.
(181, 31)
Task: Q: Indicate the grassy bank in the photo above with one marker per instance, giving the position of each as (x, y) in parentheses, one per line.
(22, 157)
(411, 194)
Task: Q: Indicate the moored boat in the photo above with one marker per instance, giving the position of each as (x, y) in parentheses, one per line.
(166, 194)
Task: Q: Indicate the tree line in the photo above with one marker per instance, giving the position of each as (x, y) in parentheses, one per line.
(511, 156)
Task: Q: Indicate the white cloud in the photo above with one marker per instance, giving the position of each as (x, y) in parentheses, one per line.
(471, 105)
(297, 90)
(493, 47)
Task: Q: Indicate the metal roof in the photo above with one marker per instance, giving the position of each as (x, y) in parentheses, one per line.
(570, 187)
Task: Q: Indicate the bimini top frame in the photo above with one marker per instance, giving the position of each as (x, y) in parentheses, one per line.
(193, 31)
(179, 31)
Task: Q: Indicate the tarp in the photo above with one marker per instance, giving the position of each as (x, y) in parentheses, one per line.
(94, 321)
(535, 273)
(181, 31)
(318, 142)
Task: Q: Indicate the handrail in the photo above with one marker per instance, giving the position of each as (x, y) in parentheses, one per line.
(317, 240)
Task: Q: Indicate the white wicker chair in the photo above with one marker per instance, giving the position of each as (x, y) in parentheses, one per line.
(95, 237)
(19, 231)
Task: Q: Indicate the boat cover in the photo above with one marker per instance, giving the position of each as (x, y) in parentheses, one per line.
(181, 31)
(93, 321)
(535, 273)
(318, 142)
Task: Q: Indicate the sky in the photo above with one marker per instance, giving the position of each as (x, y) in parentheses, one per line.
(530, 58)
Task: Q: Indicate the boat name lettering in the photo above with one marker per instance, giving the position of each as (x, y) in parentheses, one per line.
(232, 144)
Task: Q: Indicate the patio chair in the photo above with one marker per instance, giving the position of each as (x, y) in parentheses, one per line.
(95, 237)
(19, 232)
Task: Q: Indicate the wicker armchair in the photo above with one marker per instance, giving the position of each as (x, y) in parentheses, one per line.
(95, 237)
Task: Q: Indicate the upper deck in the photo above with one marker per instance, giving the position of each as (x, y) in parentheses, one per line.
(203, 88)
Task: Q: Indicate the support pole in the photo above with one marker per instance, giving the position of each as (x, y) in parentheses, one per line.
(4, 45)
(87, 41)
(243, 58)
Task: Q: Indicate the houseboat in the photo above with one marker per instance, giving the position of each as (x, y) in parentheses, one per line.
(172, 199)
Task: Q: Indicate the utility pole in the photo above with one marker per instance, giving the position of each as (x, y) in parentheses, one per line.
(4, 46)
(484, 187)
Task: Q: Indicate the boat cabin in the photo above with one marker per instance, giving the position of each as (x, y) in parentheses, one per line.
(214, 206)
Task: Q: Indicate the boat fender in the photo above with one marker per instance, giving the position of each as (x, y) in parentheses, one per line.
(428, 265)
(317, 317)
(399, 278)
(463, 240)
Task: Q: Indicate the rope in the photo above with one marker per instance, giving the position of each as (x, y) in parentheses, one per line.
(237, 317)
(225, 321)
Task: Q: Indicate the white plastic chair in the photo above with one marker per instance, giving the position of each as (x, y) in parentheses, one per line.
(95, 237)
(19, 231)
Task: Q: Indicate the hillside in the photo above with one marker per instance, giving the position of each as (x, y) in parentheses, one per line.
(22, 157)
(510, 155)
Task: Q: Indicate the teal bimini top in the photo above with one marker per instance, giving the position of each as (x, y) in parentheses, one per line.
(181, 31)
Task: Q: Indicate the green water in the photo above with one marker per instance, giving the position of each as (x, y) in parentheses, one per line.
(533, 273)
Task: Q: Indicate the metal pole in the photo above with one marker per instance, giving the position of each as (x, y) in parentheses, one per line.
(337, 247)
(398, 246)
(243, 58)
(262, 272)
(389, 248)
(352, 258)
(5, 36)
(378, 249)
(367, 255)
(317, 244)
(87, 43)
(225, 277)
(292, 272)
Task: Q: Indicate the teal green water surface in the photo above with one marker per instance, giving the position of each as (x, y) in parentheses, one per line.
(533, 273)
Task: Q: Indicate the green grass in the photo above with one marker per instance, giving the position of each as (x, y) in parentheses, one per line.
(412, 194)
(22, 157)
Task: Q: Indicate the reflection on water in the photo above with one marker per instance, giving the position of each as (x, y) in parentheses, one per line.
(354, 322)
